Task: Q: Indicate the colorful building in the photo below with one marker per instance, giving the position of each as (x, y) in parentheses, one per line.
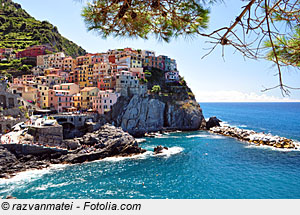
(77, 101)
(104, 101)
(68, 64)
(70, 87)
(54, 79)
(34, 51)
(84, 60)
(87, 95)
(105, 82)
(60, 100)
(42, 100)
(138, 72)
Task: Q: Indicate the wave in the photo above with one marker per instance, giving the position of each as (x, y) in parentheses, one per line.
(224, 124)
(171, 151)
(140, 140)
(207, 136)
(168, 137)
(117, 159)
(50, 185)
(272, 148)
(31, 174)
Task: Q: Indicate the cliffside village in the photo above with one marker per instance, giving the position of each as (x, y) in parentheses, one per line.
(90, 83)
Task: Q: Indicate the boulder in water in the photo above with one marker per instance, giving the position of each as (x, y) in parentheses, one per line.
(212, 122)
(159, 149)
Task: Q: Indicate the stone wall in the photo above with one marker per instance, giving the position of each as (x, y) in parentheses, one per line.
(47, 135)
(7, 124)
(25, 149)
(77, 120)
(7, 100)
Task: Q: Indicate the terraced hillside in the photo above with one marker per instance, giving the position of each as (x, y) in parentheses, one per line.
(19, 30)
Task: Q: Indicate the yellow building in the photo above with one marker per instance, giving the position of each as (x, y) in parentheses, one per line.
(85, 76)
(83, 60)
(43, 96)
(87, 95)
(77, 101)
(136, 62)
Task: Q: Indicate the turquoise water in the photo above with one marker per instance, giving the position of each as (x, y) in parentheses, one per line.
(199, 165)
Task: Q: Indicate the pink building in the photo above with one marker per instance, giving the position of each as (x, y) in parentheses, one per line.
(27, 78)
(18, 81)
(60, 100)
(104, 101)
(60, 97)
(68, 64)
(138, 72)
(70, 87)
(99, 58)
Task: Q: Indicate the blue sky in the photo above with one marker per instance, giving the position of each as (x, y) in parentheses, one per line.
(211, 78)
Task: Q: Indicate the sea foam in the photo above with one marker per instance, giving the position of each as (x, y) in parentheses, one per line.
(170, 151)
(31, 175)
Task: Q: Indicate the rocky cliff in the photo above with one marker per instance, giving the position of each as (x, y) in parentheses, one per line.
(174, 108)
(108, 141)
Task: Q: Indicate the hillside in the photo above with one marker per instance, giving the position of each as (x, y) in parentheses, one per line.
(19, 30)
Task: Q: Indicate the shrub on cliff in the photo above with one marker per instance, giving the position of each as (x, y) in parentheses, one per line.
(156, 89)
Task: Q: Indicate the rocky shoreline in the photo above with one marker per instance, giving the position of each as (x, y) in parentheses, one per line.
(108, 141)
(258, 139)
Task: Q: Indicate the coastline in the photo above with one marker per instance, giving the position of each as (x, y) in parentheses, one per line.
(32, 172)
(108, 141)
(106, 144)
(256, 138)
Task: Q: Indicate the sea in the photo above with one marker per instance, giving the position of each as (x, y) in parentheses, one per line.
(198, 165)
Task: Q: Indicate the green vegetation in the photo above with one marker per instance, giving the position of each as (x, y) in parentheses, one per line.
(165, 19)
(7, 76)
(187, 105)
(18, 30)
(148, 74)
(286, 48)
(15, 65)
(156, 89)
(143, 81)
(182, 82)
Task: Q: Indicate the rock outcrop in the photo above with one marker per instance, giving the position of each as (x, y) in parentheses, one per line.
(173, 107)
(11, 163)
(108, 141)
(255, 138)
(159, 149)
(212, 122)
(152, 113)
(139, 115)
